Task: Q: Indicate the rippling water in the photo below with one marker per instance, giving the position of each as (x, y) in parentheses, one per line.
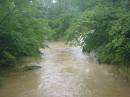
(65, 72)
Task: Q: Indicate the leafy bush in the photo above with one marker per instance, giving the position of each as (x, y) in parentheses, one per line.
(23, 30)
(104, 28)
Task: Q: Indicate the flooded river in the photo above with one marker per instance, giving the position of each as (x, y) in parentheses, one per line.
(65, 72)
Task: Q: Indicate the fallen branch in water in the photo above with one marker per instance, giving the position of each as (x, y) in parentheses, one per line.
(25, 68)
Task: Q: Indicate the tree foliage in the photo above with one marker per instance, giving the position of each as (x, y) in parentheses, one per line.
(104, 27)
(59, 15)
(22, 30)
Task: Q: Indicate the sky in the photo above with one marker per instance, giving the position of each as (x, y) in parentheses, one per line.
(54, 1)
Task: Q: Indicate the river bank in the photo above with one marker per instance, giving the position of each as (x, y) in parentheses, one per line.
(66, 72)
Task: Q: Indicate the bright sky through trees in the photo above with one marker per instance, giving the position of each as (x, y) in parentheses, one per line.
(54, 1)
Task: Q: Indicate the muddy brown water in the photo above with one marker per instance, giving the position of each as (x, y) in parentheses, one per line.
(65, 72)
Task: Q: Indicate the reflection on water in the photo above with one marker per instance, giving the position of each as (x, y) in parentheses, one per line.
(65, 72)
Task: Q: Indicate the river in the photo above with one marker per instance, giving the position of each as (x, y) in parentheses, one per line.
(65, 72)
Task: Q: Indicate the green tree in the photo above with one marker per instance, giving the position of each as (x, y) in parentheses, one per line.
(104, 27)
(22, 30)
(59, 15)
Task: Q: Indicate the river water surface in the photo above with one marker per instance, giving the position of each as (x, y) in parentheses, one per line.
(65, 72)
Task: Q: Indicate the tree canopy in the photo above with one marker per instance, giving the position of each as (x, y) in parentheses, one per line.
(22, 30)
(102, 25)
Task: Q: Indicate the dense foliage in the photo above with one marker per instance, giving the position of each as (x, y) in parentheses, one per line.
(104, 26)
(59, 15)
(22, 30)
(100, 25)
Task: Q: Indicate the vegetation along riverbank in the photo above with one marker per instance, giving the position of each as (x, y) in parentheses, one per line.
(102, 25)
